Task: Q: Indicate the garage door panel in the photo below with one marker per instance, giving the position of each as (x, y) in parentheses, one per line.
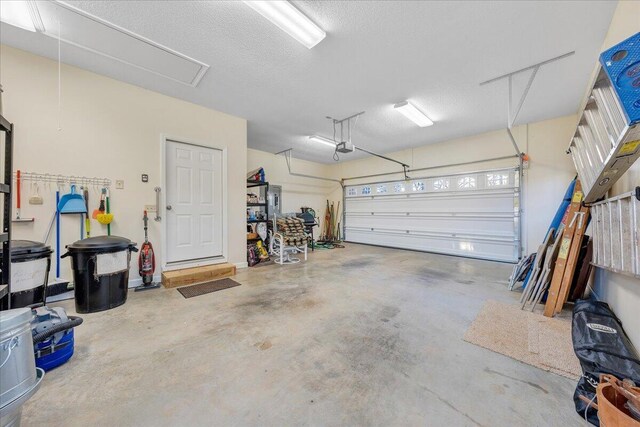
(418, 222)
(489, 202)
(475, 214)
(435, 194)
(468, 247)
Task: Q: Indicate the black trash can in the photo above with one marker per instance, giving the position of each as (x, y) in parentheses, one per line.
(30, 264)
(100, 272)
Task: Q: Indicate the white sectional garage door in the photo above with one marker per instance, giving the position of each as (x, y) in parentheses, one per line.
(472, 214)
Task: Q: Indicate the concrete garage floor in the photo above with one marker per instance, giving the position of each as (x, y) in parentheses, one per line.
(355, 336)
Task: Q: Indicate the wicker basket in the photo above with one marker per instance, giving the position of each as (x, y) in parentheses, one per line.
(611, 407)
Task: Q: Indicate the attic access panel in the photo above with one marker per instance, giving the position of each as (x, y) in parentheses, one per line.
(475, 214)
(86, 31)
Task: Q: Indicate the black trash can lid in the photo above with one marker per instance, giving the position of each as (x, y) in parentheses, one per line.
(100, 244)
(21, 248)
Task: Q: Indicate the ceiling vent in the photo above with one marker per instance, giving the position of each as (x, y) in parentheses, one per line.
(81, 29)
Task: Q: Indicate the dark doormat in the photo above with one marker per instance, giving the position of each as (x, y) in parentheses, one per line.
(206, 288)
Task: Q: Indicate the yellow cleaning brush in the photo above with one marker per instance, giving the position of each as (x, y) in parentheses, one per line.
(105, 218)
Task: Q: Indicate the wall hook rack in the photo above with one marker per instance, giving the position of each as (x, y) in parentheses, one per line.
(63, 179)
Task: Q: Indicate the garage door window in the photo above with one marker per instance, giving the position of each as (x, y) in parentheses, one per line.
(441, 184)
(352, 192)
(366, 190)
(466, 182)
(418, 186)
(399, 188)
(382, 189)
(497, 180)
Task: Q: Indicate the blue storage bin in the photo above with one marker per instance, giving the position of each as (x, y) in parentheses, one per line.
(622, 65)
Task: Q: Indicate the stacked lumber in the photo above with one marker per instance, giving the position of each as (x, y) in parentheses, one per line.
(576, 221)
(190, 276)
(562, 265)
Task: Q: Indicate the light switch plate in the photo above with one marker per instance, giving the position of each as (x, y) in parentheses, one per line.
(120, 184)
(150, 208)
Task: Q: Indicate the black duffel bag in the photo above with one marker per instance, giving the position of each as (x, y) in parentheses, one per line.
(602, 347)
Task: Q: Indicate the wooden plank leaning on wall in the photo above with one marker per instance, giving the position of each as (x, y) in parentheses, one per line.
(576, 219)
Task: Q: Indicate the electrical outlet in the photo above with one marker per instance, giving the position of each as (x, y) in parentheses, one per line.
(119, 184)
(150, 208)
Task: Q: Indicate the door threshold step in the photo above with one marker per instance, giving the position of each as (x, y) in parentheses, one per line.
(191, 276)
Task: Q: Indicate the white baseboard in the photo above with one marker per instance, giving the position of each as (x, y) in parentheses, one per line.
(61, 297)
(70, 294)
(241, 264)
(138, 281)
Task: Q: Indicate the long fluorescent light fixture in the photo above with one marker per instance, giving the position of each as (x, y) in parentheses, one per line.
(22, 14)
(322, 140)
(412, 113)
(290, 20)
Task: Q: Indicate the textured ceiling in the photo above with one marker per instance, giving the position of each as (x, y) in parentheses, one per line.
(375, 54)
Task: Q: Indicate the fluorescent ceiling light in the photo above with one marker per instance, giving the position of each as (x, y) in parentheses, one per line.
(290, 20)
(413, 114)
(322, 140)
(23, 14)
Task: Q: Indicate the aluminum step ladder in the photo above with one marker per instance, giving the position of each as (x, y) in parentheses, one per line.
(616, 232)
(607, 139)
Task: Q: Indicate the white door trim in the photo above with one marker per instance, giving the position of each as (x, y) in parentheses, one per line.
(163, 202)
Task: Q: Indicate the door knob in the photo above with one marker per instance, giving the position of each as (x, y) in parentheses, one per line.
(169, 207)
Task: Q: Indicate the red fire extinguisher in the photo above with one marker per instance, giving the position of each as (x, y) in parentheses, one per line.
(146, 260)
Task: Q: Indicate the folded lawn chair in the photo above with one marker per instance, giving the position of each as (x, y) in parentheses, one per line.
(288, 238)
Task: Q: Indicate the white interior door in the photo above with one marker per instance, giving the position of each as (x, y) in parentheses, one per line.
(474, 214)
(193, 202)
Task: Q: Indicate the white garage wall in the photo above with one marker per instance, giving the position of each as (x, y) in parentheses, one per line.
(623, 292)
(296, 191)
(109, 129)
(550, 169)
